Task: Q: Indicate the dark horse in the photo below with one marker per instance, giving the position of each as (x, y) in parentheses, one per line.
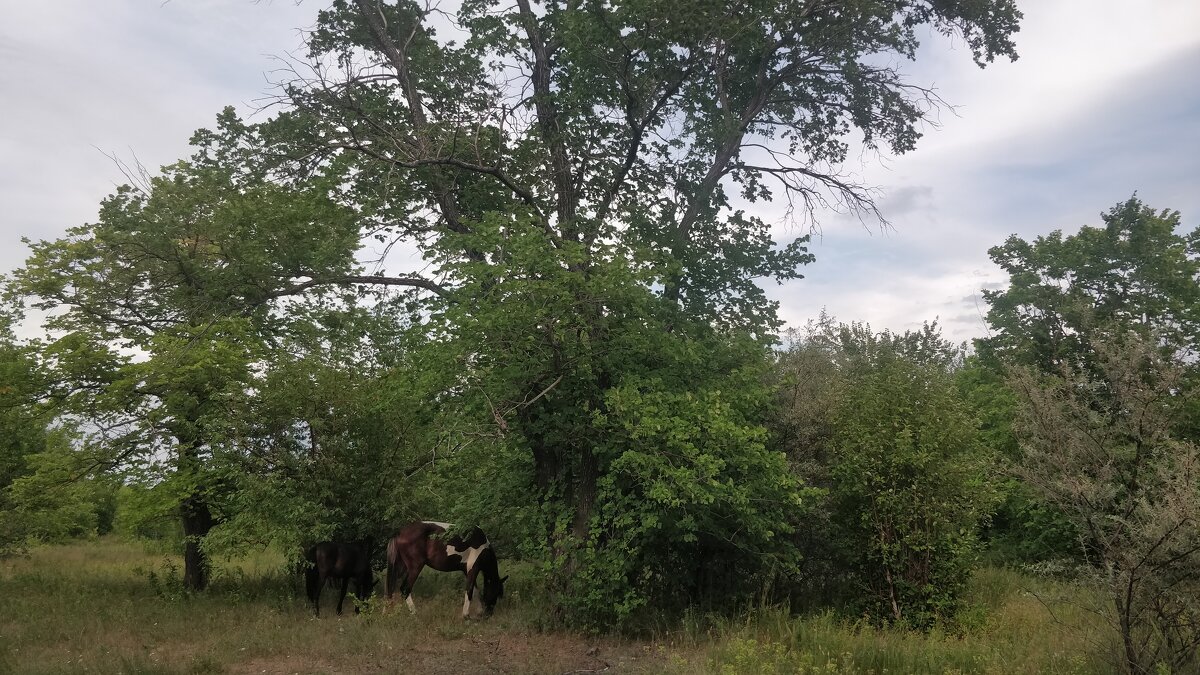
(338, 561)
(421, 543)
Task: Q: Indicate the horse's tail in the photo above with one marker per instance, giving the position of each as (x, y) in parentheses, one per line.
(393, 568)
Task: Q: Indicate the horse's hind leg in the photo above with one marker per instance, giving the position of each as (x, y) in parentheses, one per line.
(310, 584)
(414, 571)
(316, 597)
(342, 597)
(394, 570)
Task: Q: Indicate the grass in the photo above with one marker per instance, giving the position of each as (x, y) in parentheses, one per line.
(110, 606)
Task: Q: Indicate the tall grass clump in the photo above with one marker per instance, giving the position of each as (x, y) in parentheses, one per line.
(1007, 626)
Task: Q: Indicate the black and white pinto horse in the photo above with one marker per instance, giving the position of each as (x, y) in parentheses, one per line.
(330, 560)
(426, 543)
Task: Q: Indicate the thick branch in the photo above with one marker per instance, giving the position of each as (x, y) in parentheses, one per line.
(398, 58)
(547, 115)
(377, 280)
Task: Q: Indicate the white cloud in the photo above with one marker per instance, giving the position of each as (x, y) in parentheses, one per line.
(1102, 101)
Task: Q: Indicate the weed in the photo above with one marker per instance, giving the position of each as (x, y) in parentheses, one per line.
(166, 582)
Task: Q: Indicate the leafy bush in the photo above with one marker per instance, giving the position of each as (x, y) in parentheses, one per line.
(694, 509)
(909, 486)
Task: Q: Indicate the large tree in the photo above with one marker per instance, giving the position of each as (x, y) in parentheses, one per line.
(569, 170)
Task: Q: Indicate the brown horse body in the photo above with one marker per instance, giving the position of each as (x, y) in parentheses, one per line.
(332, 560)
(425, 543)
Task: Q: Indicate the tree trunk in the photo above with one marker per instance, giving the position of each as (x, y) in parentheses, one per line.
(193, 509)
(584, 494)
(1133, 663)
(197, 521)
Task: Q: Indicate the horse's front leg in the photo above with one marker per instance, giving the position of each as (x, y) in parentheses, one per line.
(469, 594)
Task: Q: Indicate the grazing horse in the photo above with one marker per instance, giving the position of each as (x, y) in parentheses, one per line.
(424, 543)
(338, 561)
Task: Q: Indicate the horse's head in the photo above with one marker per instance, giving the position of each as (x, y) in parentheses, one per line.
(492, 592)
(366, 583)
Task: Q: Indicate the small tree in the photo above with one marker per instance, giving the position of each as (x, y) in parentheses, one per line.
(1098, 445)
(49, 490)
(161, 310)
(1139, 270)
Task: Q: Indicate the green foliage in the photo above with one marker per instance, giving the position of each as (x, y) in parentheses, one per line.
(22, 430)
(62, 496)
(340, 429)
(1024, 529)
(149, 515)
(49, 490)
(683, 471)
(910, 483)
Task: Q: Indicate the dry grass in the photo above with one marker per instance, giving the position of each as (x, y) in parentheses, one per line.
(96, 607)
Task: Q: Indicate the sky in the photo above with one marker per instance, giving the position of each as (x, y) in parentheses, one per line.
(1103, 101)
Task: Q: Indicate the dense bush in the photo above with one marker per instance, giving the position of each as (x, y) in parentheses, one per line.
(907, 482)
(1099, 444)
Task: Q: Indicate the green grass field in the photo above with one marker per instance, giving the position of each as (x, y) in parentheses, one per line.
(110, 606)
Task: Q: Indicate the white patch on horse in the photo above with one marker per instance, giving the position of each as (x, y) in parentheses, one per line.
(444, 526)
(466, 605)
(472, 554)
(412, 606)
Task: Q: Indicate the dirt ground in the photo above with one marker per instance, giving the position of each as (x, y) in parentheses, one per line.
(496, 654)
